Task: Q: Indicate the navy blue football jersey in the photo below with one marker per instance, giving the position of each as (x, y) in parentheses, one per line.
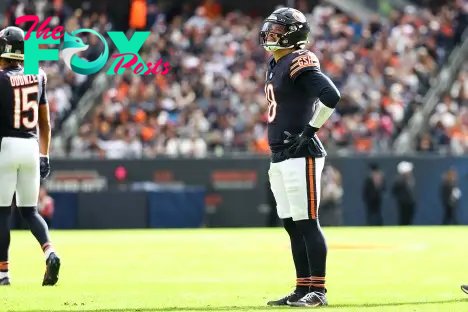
(20, 98)
(290, 106)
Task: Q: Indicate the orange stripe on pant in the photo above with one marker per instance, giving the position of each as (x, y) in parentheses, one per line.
(311, 188)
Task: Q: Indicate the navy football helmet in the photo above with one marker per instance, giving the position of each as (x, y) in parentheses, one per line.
(285, 28)
(12, 43)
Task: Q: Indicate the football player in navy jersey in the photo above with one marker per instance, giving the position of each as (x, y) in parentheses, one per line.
(23, 160)
(300, 100)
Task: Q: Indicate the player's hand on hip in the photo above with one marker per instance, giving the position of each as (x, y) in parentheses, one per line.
(290, 138)
(44, 167)
(296, 141)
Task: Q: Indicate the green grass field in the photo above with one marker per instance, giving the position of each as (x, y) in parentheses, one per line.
(369, 269)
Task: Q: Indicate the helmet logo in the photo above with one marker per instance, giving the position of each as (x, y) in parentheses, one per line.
(8, 48)
(298, 16)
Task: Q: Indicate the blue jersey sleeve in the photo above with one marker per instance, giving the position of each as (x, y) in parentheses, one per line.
(317, 85)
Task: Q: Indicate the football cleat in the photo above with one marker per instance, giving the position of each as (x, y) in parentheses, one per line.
(51, 275)
(292, 297)
(311, 300)
(5, 281)
(464, 288)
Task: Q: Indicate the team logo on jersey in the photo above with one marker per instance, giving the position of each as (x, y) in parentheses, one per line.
(298, 16)
(128, 49)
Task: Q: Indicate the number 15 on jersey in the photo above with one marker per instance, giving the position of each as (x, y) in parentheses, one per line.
(25, 101)
(270, 96)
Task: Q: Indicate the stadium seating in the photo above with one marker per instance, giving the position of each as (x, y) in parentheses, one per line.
(212, 101)
(381, 71)
(448, 124)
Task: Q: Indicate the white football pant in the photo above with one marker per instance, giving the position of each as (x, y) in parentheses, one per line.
(19, 172)
(295, 183)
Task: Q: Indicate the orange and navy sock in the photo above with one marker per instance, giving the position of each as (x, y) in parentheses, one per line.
(316, 252)
(3, 269)
(317, 283)
(302, 285)
(47, 248)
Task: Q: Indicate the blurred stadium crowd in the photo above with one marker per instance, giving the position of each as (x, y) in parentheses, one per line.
(213, 98)
(448, 125)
